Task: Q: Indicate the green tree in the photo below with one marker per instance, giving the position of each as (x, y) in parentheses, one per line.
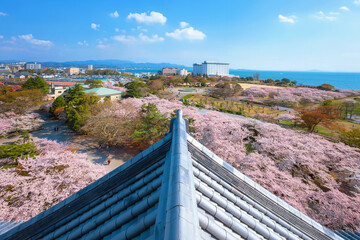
(326, 87)
(187, 79)
(286, 80)
(74, 119)
(94, 83)
(36, 83)
(75, 92)
(59, 102)
(152, 125)
(351, 138)
(136, 89)
(14, 151)
(25, 137)
(269, 80)
(77, 111)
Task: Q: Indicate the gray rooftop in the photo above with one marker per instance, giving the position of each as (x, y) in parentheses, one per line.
(176, 189)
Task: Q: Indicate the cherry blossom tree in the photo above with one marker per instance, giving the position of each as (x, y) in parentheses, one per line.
(11, 122)
(298, 94)
(38, 183)
(318, 177)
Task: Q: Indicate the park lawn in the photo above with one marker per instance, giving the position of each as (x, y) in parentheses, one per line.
(248, 110)
(335, 130)
(323, 129)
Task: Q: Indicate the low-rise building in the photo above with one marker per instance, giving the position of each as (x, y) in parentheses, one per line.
(170, 71)
(23, 75)
(5, 69)
(72, 70)
(105, 93)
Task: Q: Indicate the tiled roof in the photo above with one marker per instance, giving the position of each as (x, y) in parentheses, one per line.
(176, 189)
(103, 91)
(348, 235)
(6, 226)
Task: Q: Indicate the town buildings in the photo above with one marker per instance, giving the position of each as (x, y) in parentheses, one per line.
(211, 69)
(33, 66)
(170, 72)
(72, 70)
(90, 67)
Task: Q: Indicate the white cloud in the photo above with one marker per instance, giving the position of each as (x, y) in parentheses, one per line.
(184, 24)
(124, 38)
(117, 30)
(102, 45)
(344, 8)
(357, 2)
(1, 37)
(83, 43)
(141, 38)
(95, 26)
(140, 29)
(3, 14)
(322, 16)
(114, 14)
(290, 19)
(186, 33)
(30, 39)
(153, 17)
(153, 38)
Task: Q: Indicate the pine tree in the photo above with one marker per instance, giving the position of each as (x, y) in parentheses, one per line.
(59, 102)
(36, 83)
(152, 125)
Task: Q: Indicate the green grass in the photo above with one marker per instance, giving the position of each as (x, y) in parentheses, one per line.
(239, 108)
(7, 166)
(187, 96)
(286, 122)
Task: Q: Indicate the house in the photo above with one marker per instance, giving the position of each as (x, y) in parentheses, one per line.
(23, 75)
(176, 189)
(105, 93)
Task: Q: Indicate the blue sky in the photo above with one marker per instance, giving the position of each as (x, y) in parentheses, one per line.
(257, 34)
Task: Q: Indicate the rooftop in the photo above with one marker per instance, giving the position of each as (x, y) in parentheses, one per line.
(103, 91)
(176, 189)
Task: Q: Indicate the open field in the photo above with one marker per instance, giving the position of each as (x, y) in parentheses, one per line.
(249, 85)
(248, 110)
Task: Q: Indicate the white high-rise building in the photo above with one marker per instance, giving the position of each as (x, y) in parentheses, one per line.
(90, 67)
(183, 72)
(34, 66)
(211, 69)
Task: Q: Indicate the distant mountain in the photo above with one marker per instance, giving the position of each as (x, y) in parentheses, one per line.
(111, 64)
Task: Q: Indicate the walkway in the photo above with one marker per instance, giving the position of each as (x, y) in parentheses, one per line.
(85, 144)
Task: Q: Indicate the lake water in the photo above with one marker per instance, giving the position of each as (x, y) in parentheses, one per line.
(337, 79)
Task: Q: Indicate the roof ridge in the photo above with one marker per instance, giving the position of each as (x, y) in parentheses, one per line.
(180, 218)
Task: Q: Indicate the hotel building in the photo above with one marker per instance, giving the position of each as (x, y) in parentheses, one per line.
(211, 69)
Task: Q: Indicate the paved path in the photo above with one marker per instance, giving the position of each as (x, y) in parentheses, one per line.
(86, 145)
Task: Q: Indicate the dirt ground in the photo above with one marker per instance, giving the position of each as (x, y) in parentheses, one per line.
(249, 85)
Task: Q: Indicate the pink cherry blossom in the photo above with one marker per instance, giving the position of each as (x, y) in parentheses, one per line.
(41, 182)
